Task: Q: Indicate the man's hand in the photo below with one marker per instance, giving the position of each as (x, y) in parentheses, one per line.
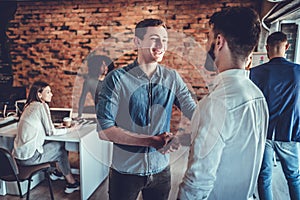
(160, 141)
(175, 143)
(171, 146)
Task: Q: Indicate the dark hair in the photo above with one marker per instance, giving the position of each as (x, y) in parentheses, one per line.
(141, 27)
(276, 38)
(241, 28)
(109, 63)
(37, 87)
(95, 61)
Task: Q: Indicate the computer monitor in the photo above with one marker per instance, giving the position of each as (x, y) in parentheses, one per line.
(8, 97)
(57, 114)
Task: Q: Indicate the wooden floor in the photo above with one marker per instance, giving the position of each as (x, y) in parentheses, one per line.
(178, 166)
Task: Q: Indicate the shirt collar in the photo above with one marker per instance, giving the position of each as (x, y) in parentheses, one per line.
(138, 72)
(277, 59)
(228, 73)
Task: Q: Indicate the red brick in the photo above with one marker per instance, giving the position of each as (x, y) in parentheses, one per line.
(69, 27)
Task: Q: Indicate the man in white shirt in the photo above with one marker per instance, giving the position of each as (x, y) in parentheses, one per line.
(230, 123)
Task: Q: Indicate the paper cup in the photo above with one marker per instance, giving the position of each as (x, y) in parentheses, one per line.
(67, 121)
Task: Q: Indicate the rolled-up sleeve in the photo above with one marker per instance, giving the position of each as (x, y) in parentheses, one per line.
(108, 103)
(184, 98)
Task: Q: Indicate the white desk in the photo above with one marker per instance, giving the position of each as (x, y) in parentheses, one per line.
(95, 155)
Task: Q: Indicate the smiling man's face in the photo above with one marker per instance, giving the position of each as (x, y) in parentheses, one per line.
(154, 44)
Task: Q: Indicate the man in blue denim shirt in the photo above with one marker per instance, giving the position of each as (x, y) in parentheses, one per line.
(134, 112)
(279, 80)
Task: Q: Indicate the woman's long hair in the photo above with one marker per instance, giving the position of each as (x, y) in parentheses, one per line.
(37, 87)
(95, 61)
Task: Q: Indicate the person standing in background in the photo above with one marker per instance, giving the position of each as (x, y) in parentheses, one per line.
(230, 123)
(279, 80)
(134, 110)
(98, 67)
(110, 67)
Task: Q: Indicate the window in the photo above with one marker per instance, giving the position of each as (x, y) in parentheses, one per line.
(291, 30)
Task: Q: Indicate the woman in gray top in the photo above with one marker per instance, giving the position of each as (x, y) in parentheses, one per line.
(35, 123)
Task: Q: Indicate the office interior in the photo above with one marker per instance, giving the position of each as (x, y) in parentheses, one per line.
(51, 40)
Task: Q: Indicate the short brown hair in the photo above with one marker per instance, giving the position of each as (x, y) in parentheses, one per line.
(241, 28)
(141, 27)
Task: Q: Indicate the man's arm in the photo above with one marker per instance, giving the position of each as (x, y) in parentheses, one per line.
(120, 136)
(184, 100)
(206, 152)
(201, 172)
(107, 108)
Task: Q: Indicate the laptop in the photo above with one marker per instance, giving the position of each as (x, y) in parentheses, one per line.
(57, 115)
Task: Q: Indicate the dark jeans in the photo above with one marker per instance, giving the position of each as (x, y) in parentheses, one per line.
(127, 186)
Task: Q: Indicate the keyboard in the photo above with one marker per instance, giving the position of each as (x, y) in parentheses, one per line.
(85, 121)
(7, 121)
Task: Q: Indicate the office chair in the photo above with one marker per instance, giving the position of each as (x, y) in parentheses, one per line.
(11, 171)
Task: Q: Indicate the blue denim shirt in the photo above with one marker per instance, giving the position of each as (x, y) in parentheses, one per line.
(130, 100)
(279, 80)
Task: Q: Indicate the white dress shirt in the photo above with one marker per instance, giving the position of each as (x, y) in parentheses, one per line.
(229, 126)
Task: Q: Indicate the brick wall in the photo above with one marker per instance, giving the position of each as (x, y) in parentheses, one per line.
(51, 39)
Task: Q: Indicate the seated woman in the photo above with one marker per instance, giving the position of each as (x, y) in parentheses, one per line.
(35, 123)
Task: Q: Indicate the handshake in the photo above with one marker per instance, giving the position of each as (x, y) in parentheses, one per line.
(168, 142)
